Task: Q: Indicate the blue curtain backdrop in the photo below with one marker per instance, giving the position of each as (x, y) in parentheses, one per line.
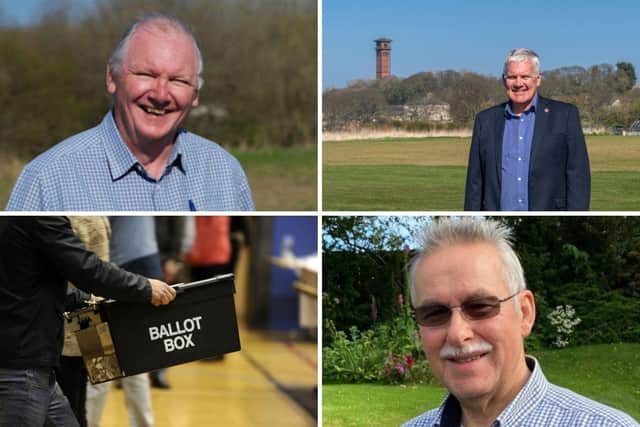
(284, 299)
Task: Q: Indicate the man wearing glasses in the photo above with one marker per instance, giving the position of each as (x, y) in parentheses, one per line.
(474, 311)
(529, 153)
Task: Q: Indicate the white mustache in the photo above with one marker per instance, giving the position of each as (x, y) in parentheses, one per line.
(449, 351)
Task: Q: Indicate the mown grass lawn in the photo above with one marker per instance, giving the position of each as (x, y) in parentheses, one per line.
(281, 179)
(426, 174)
(607, 373)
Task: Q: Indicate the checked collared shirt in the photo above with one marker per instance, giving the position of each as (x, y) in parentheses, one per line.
(539, 403)
(516, 154)
(95, 171)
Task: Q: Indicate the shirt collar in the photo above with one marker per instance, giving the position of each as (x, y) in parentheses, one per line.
(121, 160)
(509, 112)
(450, 415)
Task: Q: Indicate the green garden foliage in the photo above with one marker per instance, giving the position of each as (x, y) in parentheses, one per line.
(591, 263)
(390, 353)
(365, 288)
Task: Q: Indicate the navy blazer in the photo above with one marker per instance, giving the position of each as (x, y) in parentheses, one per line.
(559, 175)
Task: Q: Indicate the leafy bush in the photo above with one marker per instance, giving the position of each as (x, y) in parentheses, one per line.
(350, 359)
(390, 352)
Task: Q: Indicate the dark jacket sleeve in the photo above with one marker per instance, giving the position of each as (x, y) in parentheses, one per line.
(578, 172)
(474, 191)
(84, 268)
(75, 298)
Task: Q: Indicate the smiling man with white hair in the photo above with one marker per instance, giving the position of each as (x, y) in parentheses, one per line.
(139, 157)
(529, 153)
(474, 311)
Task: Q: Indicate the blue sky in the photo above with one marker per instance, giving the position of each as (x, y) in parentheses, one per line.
(24, 12)
(18, 11)
(430, 35)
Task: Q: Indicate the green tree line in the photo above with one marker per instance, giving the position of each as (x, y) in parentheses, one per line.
(260, 71)
(605, 95)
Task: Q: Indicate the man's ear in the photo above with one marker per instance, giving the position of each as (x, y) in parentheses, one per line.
(528, 310)
(111, 82)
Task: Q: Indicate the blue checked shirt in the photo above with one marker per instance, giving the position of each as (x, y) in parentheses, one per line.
(95, 171)
(516, 152)
(539, 403)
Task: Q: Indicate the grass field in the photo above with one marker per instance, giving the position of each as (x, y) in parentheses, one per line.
(280, 179)
(607, 373)
(426, 174)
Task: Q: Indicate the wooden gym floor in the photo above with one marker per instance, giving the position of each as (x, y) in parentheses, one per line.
(271, 381)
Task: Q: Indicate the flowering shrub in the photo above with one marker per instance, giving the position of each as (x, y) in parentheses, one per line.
(406, 369)
(563, 320)
(397, 367)
(390, 352)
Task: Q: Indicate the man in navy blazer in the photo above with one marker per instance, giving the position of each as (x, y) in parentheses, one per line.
(528, 153)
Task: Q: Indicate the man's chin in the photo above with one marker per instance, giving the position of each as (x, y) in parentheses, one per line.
(157, 134)
(521, 100)
(471, 387)
(468, 391)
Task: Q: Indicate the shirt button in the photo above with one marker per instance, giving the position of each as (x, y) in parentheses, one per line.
(519, 178)
(520, 200)
(519, 159)
(520, 137)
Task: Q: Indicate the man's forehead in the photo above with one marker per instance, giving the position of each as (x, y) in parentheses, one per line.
(156, 33)
(471, 266)
(525, 65)
(149, 44)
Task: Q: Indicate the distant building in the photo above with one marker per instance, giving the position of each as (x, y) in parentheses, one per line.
(634, 129)
(383, 58)
(440, 113)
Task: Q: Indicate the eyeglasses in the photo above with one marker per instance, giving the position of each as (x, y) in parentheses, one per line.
(476, 308)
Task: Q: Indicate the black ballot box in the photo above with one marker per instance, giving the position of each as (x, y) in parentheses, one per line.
(119, 339)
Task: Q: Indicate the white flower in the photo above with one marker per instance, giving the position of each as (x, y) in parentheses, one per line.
(564, 320)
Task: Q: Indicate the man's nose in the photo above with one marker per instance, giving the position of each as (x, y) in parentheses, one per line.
(160, 91)
(519, 81)
(460, 329)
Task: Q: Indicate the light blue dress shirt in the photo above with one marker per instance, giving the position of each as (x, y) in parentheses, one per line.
(516, 152)
(539, 403)
(95, 171)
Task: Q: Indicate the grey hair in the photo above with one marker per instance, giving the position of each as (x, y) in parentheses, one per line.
(446, 231)
(521, 55)
(155, 20)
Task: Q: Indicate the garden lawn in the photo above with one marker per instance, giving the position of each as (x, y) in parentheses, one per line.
(428, 174)
(607, 373)
(351, 405)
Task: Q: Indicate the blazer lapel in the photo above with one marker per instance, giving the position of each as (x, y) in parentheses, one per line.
(499, 137)
(539, 130)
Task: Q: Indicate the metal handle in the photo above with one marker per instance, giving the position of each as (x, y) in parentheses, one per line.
(181, 287)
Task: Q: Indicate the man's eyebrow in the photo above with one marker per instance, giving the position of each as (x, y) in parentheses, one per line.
(478, 293)
(430, 303)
